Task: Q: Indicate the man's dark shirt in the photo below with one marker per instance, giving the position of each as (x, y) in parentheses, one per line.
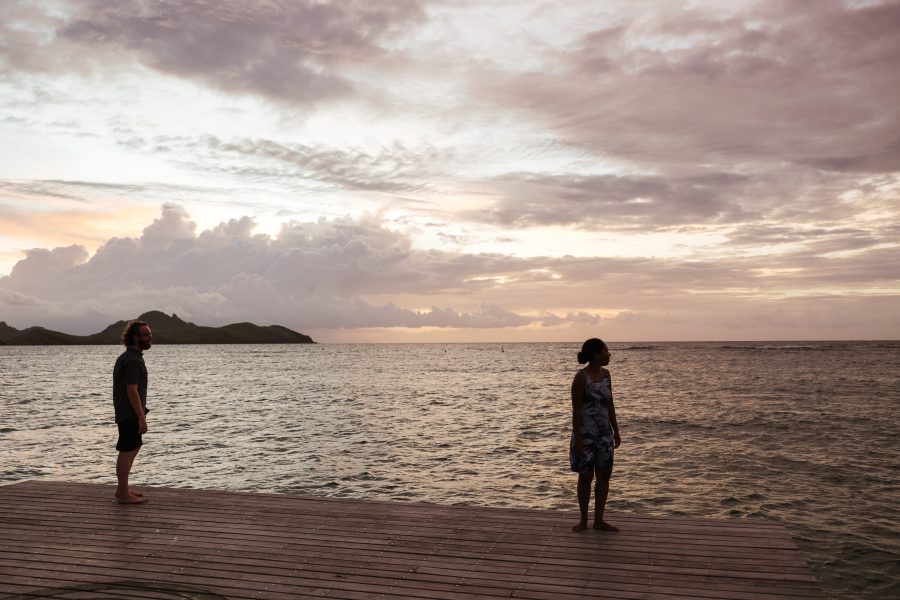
(129, 369)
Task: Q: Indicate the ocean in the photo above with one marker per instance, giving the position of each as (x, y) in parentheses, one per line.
(805, 433)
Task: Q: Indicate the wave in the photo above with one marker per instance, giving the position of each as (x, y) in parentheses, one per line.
(887, 345)
(801, 347)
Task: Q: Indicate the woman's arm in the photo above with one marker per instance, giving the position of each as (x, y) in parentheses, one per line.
(577, 400)
(611, 409)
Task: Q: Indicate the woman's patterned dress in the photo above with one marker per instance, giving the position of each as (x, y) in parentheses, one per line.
(597, 437)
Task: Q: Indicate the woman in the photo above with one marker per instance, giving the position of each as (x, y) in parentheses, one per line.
(595, 432)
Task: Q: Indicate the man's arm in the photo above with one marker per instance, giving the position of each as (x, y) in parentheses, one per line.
(134, 397)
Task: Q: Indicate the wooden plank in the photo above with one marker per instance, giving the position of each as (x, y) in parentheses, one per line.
(245, 545)
(470, 530)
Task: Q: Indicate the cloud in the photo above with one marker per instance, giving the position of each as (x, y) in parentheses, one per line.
(42, 268)
(387, 168)
(317, 274)
(294, 52)
(668, 116)
(359, 274)
(25, 29)
(756, 212)
(31, 217)
(682, 86)
(874, 160)
(173, 225)
(617, 201)
(728, 134)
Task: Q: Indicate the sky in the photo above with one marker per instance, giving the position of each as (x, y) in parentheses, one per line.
(454, 170)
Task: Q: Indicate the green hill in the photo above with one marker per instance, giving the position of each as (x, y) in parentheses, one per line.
(39, 336)
(7, 332)
(166, 330)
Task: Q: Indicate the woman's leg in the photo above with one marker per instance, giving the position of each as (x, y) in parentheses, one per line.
(584, 498)
(602, 492)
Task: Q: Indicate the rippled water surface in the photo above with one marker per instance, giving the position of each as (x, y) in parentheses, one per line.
(805, 433)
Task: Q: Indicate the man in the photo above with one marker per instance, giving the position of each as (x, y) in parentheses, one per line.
(130, 402)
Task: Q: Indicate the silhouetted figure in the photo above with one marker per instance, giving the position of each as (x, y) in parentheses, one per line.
(130, 402)
(595, 432)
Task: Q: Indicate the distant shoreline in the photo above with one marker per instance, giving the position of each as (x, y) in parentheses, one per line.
(166, 330)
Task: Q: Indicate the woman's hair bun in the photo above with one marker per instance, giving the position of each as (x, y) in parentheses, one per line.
(589, 349)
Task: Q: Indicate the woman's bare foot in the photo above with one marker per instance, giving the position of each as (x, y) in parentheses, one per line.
(604, 526)
(132, 500)
(131, 493)
(582, 525)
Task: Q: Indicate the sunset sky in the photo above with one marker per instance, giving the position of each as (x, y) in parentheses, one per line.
(443, 170)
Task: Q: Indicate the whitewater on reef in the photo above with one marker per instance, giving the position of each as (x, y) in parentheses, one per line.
(802, 432)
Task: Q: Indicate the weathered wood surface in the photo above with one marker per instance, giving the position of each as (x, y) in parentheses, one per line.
(73, 542)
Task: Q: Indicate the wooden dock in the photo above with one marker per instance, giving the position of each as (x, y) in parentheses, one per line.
(71, 541)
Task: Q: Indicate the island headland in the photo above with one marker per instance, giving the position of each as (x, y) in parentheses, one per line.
(166, 330)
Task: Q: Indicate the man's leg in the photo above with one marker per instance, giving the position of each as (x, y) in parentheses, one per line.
(602, 492)
(584, 498)
(128, 445)
(123, 469)
(130, 465)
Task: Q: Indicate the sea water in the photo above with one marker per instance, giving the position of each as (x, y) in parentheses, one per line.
(804, 433)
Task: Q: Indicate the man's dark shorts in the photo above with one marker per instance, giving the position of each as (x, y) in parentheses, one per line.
(129, 435)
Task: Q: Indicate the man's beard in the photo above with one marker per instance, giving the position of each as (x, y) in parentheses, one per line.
(145, 344)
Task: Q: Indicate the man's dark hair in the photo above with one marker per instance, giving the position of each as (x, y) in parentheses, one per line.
(131, 329)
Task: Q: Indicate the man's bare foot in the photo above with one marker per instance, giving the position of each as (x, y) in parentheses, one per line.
(604, 526)
(582, 525)
(132, 500)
